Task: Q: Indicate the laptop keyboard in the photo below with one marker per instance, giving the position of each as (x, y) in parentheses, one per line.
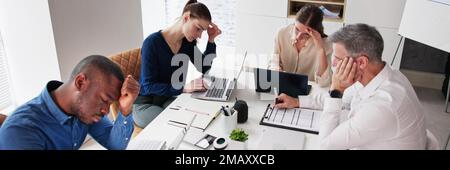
(217, 88)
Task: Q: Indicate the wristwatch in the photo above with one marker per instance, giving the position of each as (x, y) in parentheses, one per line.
(335, 94)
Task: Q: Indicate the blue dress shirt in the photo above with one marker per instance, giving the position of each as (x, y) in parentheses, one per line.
(41, 124)
(157, 68)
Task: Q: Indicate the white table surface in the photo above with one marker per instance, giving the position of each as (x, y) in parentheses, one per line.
(159, 129)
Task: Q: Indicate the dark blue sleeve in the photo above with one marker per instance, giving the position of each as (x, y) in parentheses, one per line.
(114, 137)
(207, 57)
(21, 137)
(150, 71)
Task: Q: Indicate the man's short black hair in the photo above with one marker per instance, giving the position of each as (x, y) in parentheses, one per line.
(100, 63)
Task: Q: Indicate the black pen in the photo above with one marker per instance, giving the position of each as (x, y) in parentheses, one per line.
(265, 113)
(224, 111)
(228, 110)
(277, 101)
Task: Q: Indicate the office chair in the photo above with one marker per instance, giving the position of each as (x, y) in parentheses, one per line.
(2, 119)
(130, 64)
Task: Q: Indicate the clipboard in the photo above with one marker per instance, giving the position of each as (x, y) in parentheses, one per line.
(304, 120)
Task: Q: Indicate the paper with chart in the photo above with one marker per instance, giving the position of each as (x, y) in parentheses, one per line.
(295, 119)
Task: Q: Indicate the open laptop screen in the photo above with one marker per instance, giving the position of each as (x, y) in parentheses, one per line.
(288, 83)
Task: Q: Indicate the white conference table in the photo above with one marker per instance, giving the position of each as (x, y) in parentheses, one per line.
(159, 129)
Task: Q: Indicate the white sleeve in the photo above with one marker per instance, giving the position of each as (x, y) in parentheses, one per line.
(316, 100)
(312, 101)
(373, 121)
(348, 96)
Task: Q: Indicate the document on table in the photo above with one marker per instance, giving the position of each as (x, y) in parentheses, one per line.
(182, 116)
(304, 120)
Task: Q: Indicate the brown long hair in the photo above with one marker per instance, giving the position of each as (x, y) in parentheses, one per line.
(311, 16)
(197, 10)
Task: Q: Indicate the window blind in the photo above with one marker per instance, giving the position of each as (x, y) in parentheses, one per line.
(5, 89)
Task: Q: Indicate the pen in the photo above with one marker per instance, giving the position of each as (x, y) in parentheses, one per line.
(181, 125)
(175, 108)
(228, 110)
(224, 111)
(177, 124)
(217, 114)
(194, 111)
(265, 113)
(276, 94)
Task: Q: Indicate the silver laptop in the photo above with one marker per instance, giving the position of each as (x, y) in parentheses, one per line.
(220, 89)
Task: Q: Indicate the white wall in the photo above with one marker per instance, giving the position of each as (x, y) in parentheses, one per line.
(257, 26)
(29, 46)
(86, 27)
(385, 15)
(153, 16)
(430, 26)
(380, 13)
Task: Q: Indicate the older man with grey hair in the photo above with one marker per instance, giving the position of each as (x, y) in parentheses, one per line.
(385, 112)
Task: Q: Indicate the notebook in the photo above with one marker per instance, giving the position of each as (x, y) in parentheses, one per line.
(304, 120)
(202, 121)
(148, 144)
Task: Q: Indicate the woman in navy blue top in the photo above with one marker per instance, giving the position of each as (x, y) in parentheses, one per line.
(165, 58)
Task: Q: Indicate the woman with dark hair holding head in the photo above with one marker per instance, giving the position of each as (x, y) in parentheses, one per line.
(165, 57)
(303, 48)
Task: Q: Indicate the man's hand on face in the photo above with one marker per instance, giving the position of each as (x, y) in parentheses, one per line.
(344, 76)
(128, 94)
(286, 102)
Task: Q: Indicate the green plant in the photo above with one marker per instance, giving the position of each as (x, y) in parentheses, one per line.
(238, 135)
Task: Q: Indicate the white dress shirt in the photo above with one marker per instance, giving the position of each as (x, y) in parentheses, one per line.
(316, 98)
(385, 114)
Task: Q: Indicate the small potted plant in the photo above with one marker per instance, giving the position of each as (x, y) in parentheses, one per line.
(239, 138)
